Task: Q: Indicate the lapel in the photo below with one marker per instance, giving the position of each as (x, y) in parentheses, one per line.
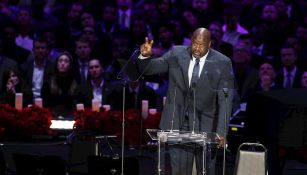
(31, 70)
(204, 71)
(184, 63)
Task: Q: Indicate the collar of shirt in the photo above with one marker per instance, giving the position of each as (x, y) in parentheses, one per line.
(83, 64)
(97, 87)
(136, 89)
(127, 12)
(201, 65)
(201, 60)
(292, 72)
(38, 66)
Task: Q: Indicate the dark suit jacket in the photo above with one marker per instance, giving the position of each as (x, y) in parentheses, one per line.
(210, 101)
(85, 93)
(28, 67)
(296, 81)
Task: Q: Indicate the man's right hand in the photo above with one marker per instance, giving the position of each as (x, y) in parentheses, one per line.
(146, 48)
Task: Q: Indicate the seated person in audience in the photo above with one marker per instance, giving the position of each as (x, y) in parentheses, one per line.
(12, 84)
(135, 93)
(97, 88)
(267, 77)
(289, 75)
(38, 68)
(60, 91)
(304, 80)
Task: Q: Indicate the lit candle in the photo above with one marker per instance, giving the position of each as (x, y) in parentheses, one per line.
(38, 102)
(95, 105)
(80, 107)
(106, 107)
(152, 111)
(144, 108)
(164, 100)
(18, 101)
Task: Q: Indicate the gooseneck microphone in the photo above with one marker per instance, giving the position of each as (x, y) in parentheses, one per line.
(173, 115)
(225, 91)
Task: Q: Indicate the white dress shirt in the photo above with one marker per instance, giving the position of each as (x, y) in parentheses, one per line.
(201, 65)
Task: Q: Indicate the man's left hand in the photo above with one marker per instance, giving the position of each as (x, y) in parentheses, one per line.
(221, 140)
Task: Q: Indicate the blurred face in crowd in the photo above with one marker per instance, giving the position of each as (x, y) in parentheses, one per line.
(83, 50)
(293, 41)
(13, 78)
(9, 35)
(230, 20)
(95, 69)
(190, 19)
(75, 12)
(120, 48)
(165, 35)
(109, 14)
(64, 63)
(304, 80)
(200, 5)
(246, 41)
(23, 18)
(269, 13)
(281, 6)
(138, 27)
(288, 57)
(87, 19)
(301, 33)
(241, 54)
(200, 43)
(164, 6)
(40, 49)
(50, 38)
(124, 4)
(267, 69)
(90, 33)
(216, 30)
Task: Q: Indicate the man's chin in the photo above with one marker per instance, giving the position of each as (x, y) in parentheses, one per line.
(196, 56)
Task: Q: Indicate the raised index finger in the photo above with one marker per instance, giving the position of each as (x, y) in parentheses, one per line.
(146, 40)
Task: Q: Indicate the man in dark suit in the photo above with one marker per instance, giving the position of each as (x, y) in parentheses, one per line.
(199, 70)
(38, 68)
(289, 76)
(97, 87)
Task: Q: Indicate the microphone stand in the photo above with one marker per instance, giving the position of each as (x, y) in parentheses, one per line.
(225, 91)
(194, 108)
(173, 115)
(125, 79)
(123, 127)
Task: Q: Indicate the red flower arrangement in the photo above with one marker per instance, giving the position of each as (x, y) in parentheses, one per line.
(110, 123)
(23, 124)
(92, 121)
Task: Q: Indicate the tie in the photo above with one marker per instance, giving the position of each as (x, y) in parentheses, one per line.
(83, 72)
(288, 80)
(195, 73)
(123, 20)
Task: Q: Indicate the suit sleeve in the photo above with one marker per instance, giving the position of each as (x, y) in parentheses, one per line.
(151, 66)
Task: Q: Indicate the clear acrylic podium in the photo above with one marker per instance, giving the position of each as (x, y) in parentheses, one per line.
(202, 139)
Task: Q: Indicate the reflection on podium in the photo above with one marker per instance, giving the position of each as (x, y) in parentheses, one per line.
(203, 140)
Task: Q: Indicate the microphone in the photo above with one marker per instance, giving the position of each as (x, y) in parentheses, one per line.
(225, 91)
(193, 87)
(173, 115)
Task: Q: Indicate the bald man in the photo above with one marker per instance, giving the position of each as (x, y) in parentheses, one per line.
(199, 70)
